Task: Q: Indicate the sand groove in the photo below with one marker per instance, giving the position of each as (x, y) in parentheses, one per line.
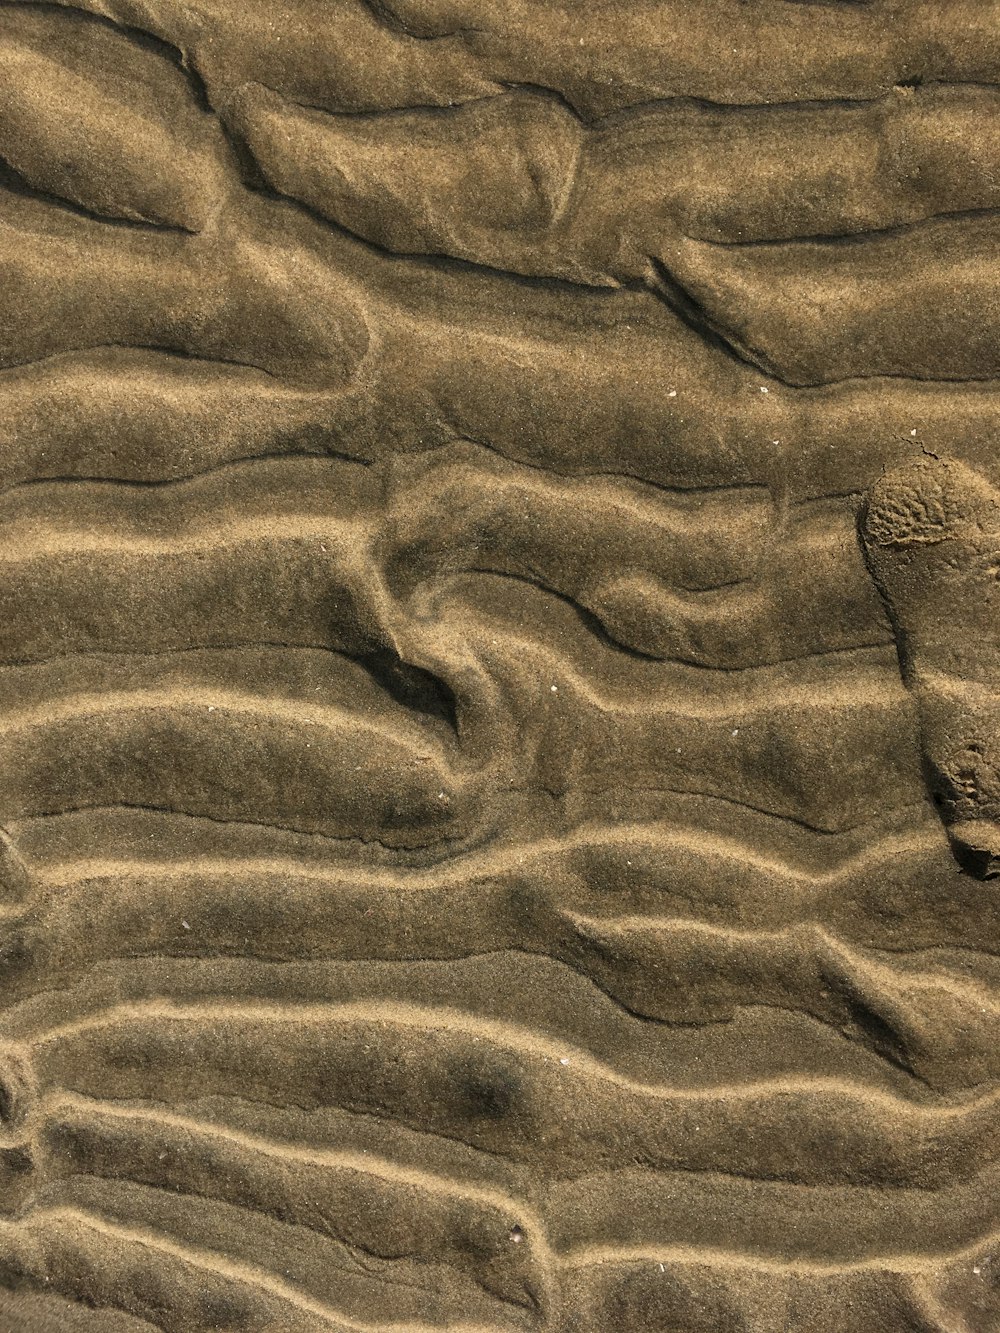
(468, 856)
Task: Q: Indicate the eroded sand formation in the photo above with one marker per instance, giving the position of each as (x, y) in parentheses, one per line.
(498, 653)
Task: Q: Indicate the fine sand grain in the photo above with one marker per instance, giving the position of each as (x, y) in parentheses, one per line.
(499, 666)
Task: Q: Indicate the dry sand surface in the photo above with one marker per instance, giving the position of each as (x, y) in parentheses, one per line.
(499, 666)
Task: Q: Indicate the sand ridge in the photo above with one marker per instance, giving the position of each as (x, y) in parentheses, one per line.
(498, 666)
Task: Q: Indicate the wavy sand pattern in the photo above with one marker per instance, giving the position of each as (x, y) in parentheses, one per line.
(500, 541)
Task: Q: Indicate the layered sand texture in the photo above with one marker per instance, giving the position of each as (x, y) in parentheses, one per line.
(499, 652)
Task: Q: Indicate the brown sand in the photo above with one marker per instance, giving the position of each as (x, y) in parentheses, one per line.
(498, 666)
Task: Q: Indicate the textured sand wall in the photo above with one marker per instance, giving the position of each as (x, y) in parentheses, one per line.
(485, 845)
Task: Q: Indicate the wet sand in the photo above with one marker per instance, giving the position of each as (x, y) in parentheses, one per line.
(499, 534)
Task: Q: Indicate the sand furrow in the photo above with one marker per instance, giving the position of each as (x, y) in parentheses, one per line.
(143, 1271)
(704, 1290)
(387, 1211)
(708, 578)
(520, 184)
(570, 1007)
(929, 1012)
(274, 702)
(809, 1228)
(871, 886)
(935, 1023)
(359, 1201)
(90, 119)
(78, 754)
(692, 432)
(498, 1087)
(860, 301)
(174, 293)
(777, 1228)
(413, 53)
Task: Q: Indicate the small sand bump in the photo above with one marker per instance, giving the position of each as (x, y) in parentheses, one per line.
(903, 515)
(14, 881)
(17, 1092)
